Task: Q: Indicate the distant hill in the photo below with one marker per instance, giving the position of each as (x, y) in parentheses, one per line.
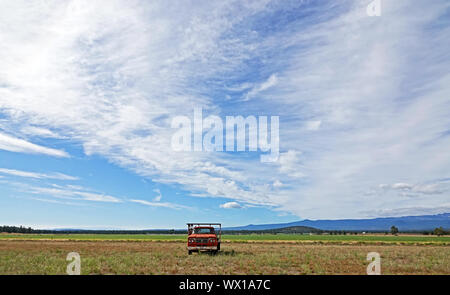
(282, 230)
(295, 230)
(405, 223)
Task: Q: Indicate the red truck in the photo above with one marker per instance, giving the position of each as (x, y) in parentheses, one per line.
(204, 237)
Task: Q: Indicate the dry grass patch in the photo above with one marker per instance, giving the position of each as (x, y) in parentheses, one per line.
(48, 257)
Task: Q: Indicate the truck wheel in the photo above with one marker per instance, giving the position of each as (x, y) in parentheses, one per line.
(218, 247)
(189, 252)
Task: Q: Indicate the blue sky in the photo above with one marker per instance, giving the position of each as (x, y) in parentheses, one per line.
(88, 90)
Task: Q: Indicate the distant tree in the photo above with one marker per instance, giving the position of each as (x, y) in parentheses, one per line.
(394, 230)
(439, 231)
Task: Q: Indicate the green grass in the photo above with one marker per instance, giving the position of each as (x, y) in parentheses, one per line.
(89, 237)
(117, 257)
(239, 238)
(344, 238)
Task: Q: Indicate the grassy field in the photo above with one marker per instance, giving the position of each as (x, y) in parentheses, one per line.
(150, 257)
(289, 238)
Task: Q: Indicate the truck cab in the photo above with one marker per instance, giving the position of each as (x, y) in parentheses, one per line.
(204, 237)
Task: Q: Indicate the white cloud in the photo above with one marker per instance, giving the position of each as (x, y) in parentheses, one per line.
(56, 175)
(277, 183)
(231, 205)
(159, 204)
(433, 188)
(289, 164)
(270, 82)
(57, 202)
(313, 125)
(401, 186)
(99, 77)
(159, 196)
(97, 197)
(353, 75)
(66, 193)
(411, 211)
(38, 131)
(12, 144)
(430, 189)
(110, 77)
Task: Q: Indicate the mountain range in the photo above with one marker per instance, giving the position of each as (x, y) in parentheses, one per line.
(404, 223)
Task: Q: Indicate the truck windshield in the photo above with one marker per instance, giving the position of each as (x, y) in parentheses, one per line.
(203, 230)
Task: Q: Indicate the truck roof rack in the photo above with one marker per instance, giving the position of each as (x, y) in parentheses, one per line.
(192, 224)
(203, 223)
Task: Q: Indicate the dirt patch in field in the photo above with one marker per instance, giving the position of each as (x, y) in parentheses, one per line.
(118, 257)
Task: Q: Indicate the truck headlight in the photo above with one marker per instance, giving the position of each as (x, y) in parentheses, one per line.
(212, 241)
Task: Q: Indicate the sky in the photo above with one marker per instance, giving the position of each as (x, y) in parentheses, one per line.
(88, 91)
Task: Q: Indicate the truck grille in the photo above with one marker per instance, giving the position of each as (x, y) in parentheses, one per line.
(201, 241)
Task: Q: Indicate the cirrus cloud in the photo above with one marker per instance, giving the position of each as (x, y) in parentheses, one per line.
(231, 205)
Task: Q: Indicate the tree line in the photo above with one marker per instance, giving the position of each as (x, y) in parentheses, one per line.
(29, 230)
(440, 231)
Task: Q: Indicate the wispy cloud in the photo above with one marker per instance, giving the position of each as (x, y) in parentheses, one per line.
(65, 193)
(231, 205)
(110, 76)
(313, 125)
(255, 90)
(53, 201)
(277, 183)
(431, 188)
(55, 175)
(39, 132)
(12, 144)
(411, 211)
(159, 196)
(159, 204)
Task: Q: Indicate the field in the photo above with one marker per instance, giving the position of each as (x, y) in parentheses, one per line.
(338, 239)
(242, 254)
